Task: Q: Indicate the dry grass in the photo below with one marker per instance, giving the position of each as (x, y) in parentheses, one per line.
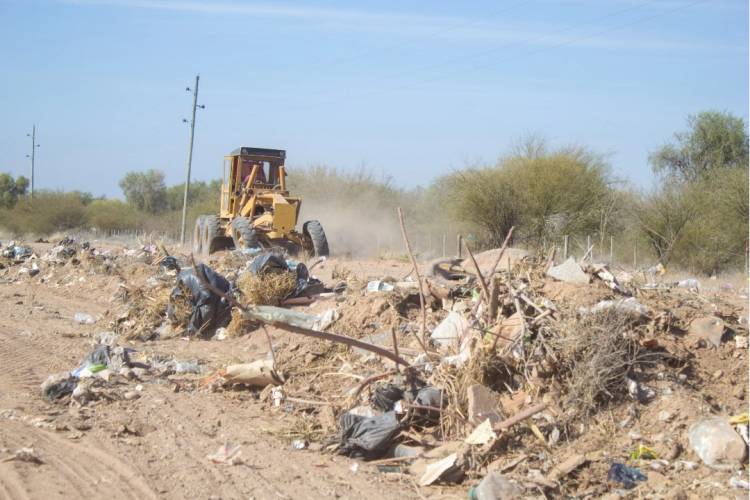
(266, 289)
(595, 355)
(484, 368)
(239, 325)
(146, 312)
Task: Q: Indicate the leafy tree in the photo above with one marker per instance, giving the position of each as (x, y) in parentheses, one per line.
(199, 192)
(663, 216)
(714, 140)
(11, 190)
(145, 190)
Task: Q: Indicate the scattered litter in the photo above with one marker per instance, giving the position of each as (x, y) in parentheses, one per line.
(627, 476)
(449, 332)
(209, 311)
(259, 373)
(442, 470)
(482, 434)
(379, 286)
(228, 454)
(84, 319)
(643, 452)
(367, 437)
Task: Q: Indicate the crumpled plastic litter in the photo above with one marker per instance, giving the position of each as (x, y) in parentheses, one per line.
(210, 311)
(295, 318)
(367, 437)
(643, 452)
(628, 476)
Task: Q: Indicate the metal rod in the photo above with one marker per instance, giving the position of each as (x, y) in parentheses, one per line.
(189, 162)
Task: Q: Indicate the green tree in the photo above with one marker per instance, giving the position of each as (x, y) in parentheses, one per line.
(145, 190)
(11, 190)
(714, 140)
(199, 192)
(663, 216)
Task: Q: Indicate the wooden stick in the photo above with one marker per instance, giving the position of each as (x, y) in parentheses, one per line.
(332, 337)
(494, 267)
(493, 302)
(395, 344)
(423, 327)
(482, 283)
(502, 251)
(518, 417)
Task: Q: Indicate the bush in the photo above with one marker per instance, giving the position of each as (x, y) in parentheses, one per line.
(45, 214)
(108, 215)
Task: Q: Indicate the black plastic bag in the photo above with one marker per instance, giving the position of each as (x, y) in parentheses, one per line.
(210, 311)
(367, 437)
(621, 473)
(385, 396)
(272, 262)
(268, 262)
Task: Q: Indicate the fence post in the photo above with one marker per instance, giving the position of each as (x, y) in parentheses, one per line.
(459, 238)
(588, 247)
(565, 247)
(611, 250)
(635, 255)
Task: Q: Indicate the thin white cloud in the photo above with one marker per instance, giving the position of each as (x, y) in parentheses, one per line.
(412, 26)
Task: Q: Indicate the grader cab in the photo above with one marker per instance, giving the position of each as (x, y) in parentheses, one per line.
(256, 209)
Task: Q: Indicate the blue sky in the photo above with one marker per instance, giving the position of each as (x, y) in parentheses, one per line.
(412, 89)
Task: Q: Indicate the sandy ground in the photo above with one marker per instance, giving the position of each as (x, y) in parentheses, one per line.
(155, 446)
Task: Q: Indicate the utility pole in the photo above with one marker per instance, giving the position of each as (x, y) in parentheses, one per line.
(34, 145)
(190, 156)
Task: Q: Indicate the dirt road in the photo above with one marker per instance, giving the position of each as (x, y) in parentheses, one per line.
(154, 446)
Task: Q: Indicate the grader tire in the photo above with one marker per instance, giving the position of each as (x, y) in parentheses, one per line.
(198, 235)
(314, 230)
(243, 234)
(212, 238)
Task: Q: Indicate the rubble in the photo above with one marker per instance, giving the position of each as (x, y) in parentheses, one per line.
(717, 443)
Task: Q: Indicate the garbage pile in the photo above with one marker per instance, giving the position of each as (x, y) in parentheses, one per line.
(495, 379)
(505, 374)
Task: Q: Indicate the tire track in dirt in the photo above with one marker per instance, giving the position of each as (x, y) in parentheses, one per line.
(72, 470)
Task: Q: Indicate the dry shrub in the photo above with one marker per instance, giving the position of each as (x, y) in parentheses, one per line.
(268, 288)
(145, 314)
(595, 355)
(182, 306)
(239, 325)
(483, 368)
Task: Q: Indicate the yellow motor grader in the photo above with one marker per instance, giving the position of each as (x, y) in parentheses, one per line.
(256, 209)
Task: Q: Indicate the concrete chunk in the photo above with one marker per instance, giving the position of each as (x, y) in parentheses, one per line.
(569, 272)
